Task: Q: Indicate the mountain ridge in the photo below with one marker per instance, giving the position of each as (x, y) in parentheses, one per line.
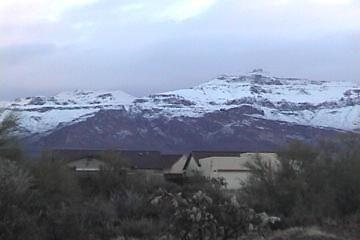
(232, 103)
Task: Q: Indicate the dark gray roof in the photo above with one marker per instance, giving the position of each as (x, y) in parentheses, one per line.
(143, 159)
(197, 155)
(135, 159)
(168, 160)
(205, 154)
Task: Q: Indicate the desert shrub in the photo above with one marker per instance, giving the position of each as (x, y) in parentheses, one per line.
(231, 218)
(198, 216)
(9, 146)
(310, 185)
(146, 183)
(7, 127)
(303, 234)
(103, 183)
(57, 200)
(234, 220)
(110, 179)
(98, 219)
(17, 220)
(130, 203)
(60, 223)
(114, 161)
(55, 182)
(143, 228)
(48, 202)
(192, 218)
(212, 187)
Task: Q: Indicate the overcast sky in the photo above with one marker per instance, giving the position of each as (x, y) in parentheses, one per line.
(147, 46)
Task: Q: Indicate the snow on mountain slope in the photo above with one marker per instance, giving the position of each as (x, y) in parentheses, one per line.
(75, 99)
(332, 104)
(42, 114)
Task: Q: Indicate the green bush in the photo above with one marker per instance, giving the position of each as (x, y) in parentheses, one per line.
(16, 217)
(310, 185)
(9, 146)
(98, 219)
(55, 182)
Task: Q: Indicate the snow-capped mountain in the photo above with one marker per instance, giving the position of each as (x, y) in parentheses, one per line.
(43, 114)
(306, 102)
(221, 110)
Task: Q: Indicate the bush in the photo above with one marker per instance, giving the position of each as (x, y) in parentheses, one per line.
(199, 216)
(303, 234)
(9, 146)
(16, 219)
(310, 185)
(98, 219)
(130, 204)
(55, 182)
(143, 228)
(8, 126)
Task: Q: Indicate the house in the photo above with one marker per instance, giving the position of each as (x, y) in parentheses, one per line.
(147, 163)
(87, 164)
(231, 166)
(177, 171)
(150, 166)
(80, 160)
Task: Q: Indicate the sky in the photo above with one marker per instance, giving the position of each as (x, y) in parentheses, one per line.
(149, 46)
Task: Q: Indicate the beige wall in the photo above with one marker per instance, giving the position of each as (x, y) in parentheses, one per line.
(232, 168)
(178, 165)
(233, 179)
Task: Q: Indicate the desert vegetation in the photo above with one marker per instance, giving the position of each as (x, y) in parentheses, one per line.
(46, 200)
(312, 185)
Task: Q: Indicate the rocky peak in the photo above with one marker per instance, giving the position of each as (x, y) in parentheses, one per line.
(295, 100)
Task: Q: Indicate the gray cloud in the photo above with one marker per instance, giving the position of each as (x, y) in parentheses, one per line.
(16, 54)
(150, 46)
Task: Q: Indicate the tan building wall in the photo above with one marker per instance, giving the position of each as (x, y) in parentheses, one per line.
(233, 179)
(231, 168)
(178, 166)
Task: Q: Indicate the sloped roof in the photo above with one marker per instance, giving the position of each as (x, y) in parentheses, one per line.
(69, 155)
(168, 160)
(136, 159)
(205, 154)
(145, 160)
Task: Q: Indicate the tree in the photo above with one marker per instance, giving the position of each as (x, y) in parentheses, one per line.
(9, 147)
(312, 183)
